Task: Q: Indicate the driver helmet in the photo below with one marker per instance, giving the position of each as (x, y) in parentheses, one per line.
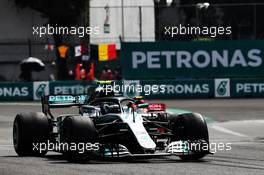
(139, 100)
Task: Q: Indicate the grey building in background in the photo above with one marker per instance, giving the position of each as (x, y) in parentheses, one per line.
(122, 20)
(17, 41)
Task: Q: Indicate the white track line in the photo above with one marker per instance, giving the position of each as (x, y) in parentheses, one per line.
(222, 129)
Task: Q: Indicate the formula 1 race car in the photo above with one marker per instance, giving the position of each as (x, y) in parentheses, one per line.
(110, 126)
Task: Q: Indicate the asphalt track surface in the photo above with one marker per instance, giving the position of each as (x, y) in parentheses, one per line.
(239, 122)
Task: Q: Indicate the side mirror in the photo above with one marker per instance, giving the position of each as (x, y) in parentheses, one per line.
(89, 110)
(130, 104)
(114, 109)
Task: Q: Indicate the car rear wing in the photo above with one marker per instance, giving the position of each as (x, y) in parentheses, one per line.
(60, 101)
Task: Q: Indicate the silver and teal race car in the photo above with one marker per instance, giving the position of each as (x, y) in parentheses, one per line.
(109, 127)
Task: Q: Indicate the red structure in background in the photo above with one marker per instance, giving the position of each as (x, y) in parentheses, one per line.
(83, 74)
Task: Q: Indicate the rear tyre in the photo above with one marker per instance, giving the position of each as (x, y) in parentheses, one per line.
(78, 130)
(30, 129)
(191, 127)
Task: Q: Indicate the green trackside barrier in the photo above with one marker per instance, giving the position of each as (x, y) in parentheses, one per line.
(151, 89)
(70, 87)
(199, 59)
(16, 91)
(249, 88)
(165, 89)
(61, 87)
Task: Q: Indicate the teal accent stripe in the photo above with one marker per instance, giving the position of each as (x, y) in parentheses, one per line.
(177, 111)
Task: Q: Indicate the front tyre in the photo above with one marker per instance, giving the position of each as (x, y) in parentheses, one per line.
(190, 127)
(29, 130)
(78, 130)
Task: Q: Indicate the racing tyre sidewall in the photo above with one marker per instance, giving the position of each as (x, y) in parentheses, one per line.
(191, 127)
(30, 130)
(78, 130)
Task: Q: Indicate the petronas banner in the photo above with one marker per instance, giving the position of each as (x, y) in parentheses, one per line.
(197, 59)
(177, 89)
(150, 89)
(16, 91)
(247, 88)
